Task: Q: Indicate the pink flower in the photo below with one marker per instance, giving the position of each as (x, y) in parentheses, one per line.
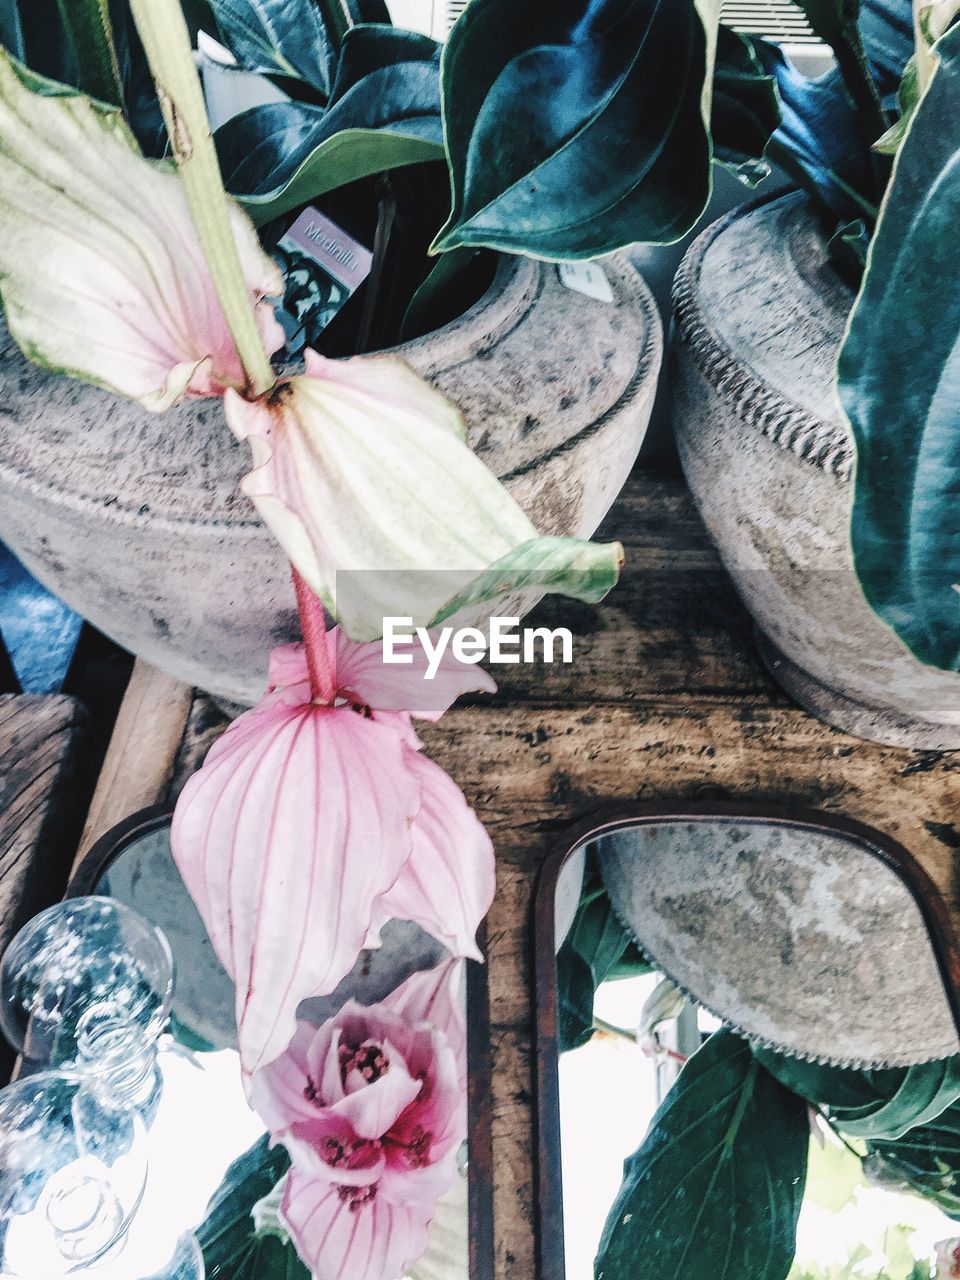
(372, 1108)
(313, 822)
(948, 1259)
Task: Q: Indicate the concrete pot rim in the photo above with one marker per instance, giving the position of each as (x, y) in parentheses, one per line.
(513, 291)
(824, 444)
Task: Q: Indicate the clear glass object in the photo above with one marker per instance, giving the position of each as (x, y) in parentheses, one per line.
(73, 1166)
(85, 978)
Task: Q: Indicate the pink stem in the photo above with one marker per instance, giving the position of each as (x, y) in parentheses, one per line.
(323, 684)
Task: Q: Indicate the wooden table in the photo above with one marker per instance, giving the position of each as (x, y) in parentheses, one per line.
(665, 700)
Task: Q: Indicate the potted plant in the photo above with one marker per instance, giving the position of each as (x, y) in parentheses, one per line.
(316, 818)
(137, 519)
(833, 514)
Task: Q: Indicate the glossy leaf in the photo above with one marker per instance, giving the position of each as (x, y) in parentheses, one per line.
(284, 38)
(836, 24)
(926, 1160)
(825, 1085)
(746, 106)
(714, 1192)
(871, 1104)
(932, 21)
(899, 376)
(597, 949)
(575, 991)
(819, 142)
(824, 141)
(577, 127)
(384, 112)
(232, 1248)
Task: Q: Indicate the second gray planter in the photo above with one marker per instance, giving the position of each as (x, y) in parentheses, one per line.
(760, 315)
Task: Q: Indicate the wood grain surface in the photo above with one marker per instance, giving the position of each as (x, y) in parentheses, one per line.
(666, 700)
(40, 742)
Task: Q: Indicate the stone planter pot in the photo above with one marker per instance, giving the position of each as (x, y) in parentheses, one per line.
(760, 316)
(136, 519)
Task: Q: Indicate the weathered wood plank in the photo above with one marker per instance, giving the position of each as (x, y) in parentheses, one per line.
(40, 744)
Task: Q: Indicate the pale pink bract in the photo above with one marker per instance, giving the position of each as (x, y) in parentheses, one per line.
(310, 825)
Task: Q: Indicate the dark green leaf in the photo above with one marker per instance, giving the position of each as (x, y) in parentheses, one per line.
(836, 22)
(444, 278)
(575, 989)
(924, 1093)
(597, 949)
(746, 106)
(11, 30)
(870, 1104)
(819, 142)
(87, 26)
(886, 30)
(825, 141)
(576, 127)
(284, 38)
(231, 1248)
(925, 1160)
(280, 156)
(714, 1192)
(373, 46)
(597, 935)
(899, 374)
(828, 1086)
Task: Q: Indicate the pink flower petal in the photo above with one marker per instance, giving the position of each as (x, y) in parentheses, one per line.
(306, 1141)
(404, 686)
(436, 996)
(278, 1092)
(375, 1241)
(297, 823)
(373, 1110)
(384, 687)
(423, 1186)
(448, 883)
(102, 272)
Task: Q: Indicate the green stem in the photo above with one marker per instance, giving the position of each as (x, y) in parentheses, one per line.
(167, 44)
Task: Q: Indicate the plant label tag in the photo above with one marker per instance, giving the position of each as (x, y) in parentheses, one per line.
(586, 277)
(322, 266)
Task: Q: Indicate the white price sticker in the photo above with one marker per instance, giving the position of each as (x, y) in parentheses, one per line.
(586, 277)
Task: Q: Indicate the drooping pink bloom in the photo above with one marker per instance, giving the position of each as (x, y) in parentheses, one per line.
(372, 1108)
(313, 821)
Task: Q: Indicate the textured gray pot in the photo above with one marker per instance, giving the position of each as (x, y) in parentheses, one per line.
(136, 520)
(760, 315)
